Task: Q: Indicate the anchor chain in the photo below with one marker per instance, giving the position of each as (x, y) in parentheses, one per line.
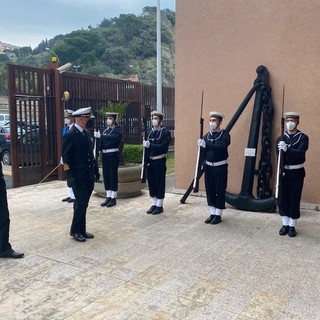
(265, 167)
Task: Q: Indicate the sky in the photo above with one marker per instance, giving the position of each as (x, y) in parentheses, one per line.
(27, 23)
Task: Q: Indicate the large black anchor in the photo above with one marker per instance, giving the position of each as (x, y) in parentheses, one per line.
(245, 199)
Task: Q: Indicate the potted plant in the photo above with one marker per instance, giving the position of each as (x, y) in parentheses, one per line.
(129, 171)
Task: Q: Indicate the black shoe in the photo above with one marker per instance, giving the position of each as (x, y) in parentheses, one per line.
(292, 232)
(284, 230)
(105, 202)
(79, 237)
(11, 254)
(66, 199)
(210, 218)
(157, 210)
(151, 209)
(88, 235)
(71, 200)
(216, 219)
(112, 202)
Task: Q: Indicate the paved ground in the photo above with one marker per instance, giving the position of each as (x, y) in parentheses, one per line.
(171, 266)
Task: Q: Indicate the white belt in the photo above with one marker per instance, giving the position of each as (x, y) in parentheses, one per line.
(294, 166)
(158, 157)
(216, 164)
(110, 150)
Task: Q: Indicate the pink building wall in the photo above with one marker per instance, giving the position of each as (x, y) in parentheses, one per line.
(219, 45)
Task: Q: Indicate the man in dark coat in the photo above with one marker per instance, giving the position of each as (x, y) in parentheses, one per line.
(214, 155)
(81, 171)
(294, 145)
(156, 148)
(6, 250)
(110, 140)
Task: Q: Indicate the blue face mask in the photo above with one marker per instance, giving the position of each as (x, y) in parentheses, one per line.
(213, 125)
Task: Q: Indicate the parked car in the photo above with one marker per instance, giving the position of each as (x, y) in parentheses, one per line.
(28, 144)
(4, 118)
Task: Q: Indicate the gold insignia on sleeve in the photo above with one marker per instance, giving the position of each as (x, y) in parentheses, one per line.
(66, 167)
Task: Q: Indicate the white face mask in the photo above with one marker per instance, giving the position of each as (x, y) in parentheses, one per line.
(109, 122)
(67, 121)
(155, 122)
(213, 125)
(291, 125)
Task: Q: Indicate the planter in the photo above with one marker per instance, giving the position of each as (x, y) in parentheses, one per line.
(129, 182)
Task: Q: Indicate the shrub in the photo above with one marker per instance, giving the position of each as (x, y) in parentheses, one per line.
(132, 153)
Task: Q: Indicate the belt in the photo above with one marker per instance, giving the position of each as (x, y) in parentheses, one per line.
(110, 150)
(294, 166)
(216, 164)
(158, 157)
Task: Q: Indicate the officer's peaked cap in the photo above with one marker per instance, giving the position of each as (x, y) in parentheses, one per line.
(291, 114)
(215, 114)
(83, 112)
(112, 114)
(68, 113)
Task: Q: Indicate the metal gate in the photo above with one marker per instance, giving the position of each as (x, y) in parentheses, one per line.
(37, 106)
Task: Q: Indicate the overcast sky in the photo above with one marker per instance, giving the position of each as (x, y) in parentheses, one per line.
(28, 22)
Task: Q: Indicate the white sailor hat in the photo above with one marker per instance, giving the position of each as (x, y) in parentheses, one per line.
(112, 114)
(158, 114)
(215, 114)
(68, 113)
(291, 114)
(83, 112)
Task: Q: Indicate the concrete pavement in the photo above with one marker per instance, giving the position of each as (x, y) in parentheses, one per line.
(165, 267)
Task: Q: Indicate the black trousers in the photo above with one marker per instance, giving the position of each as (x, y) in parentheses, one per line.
(216, 184)
(110, 166)
(291, 189)
(82, 191)
(4, 218)
(156, 175)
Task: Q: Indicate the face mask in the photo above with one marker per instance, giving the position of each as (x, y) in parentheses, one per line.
(213, 125)
(109, 122)
(67, 121)
(155, 123)
(290, 125)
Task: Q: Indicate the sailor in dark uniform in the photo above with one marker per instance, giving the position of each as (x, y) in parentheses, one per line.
(6, 250)
(157, 145)
(81, 171)
(214, 155)
(294, 145)
(110, 140)
(69, 122)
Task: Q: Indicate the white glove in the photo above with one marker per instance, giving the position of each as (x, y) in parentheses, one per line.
(282, 146)
(146, 143)
(61, 160)
(97, 134)
(201, 143)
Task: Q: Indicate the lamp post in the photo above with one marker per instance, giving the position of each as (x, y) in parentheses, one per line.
(76, 67)
(48, 49)
(139, 74)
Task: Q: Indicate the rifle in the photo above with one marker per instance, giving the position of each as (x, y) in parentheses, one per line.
(197, 176)
(280, 157)
(144, 162)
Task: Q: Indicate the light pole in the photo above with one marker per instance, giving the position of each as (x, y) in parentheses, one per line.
(139, 74)
(76, 67)
(48, 49)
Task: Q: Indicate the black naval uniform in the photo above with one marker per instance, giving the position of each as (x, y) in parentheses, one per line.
(4, 215)
(155, 157)
(81, 171)
(6, 250)
(294, 173)
(109, 146)
(214, 158)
